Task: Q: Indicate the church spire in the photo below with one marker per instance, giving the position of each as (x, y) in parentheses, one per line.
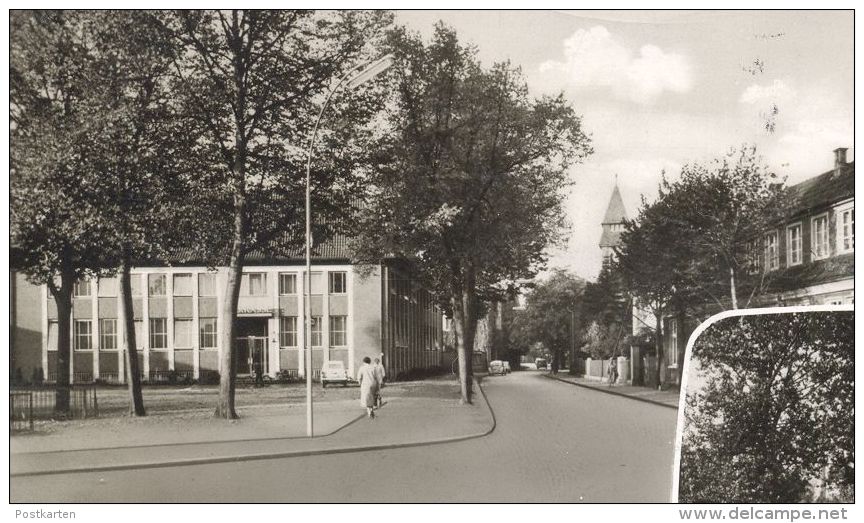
(613, 225)
(615, 212)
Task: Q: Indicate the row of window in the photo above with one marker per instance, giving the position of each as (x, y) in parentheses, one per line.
(338, 331)
(82, 333)
(819, 240)
(251, 284)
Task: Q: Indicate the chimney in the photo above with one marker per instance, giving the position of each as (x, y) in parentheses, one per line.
(839, 159)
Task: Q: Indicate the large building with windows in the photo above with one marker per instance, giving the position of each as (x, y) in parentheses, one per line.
(356, 311)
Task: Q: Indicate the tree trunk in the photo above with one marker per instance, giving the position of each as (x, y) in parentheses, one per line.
(465, 325)
(227, 362)
(658, 344)
(127, 316)
(732, 289)
(63, 299)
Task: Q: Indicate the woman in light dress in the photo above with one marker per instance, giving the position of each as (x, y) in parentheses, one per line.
(368, 386)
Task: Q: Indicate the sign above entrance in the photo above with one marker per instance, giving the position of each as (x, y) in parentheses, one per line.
(258, 312)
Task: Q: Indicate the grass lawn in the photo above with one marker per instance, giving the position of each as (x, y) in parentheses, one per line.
(113, 401)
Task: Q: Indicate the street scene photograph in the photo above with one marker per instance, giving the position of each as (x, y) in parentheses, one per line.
(429, 256)
(769, 413)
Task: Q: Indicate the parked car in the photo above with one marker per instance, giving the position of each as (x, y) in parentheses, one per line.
(334, 372)
(506, 367)
(540, 362)
(497, 367)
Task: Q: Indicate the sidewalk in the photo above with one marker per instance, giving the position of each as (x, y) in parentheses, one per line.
(414, 413)
(665, 398)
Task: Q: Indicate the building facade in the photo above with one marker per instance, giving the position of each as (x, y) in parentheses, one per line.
(356, 311)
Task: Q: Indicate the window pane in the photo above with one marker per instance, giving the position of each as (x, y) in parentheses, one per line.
(253, 284)
(207, 332)
(82, 335)
(771, 258)
(337, 331)
(337, 283)
(108, 334)
(156, 284)
(793, 236)
(287, 283)
(81, 289)
(183, 334)
(820, 237)
(52, 335)
(158, 333)
(108, 287)
(257, 284)
(182, 285)
(316, 331)
(207, 284)
(847, 230)
(288, 331)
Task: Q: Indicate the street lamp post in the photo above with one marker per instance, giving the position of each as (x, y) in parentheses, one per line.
(352, 78)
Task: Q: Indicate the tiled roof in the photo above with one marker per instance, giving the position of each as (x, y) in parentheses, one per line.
(823, 190)
(828, 270)
(334, 249)
(615, 212)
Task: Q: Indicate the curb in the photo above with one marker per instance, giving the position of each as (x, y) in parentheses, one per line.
(272, 455)
(614, 393)
(189, 443)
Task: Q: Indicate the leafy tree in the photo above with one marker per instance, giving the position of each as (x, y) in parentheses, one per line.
(252, 81)
(552, 316)
(139, 153)
(57, 237)
(774, 409)
(472, 192)
(718, 214)
(650, 268)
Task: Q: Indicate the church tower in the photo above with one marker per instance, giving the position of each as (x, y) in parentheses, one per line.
(613, 225)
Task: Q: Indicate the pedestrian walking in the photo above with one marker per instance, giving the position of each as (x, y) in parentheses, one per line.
(368, 386)
(379, 377)
(613, 370)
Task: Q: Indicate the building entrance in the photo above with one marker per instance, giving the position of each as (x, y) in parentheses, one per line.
(252, 355)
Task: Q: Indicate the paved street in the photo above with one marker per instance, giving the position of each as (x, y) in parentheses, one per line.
(553, 442)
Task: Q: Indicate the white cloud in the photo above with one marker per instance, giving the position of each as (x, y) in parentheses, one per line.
(594, 59)
(777, 92)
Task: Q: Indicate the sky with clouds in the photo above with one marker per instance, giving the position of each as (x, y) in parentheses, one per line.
(658, 90)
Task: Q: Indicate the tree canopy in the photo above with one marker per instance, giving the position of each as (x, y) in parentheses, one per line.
(553, 316)
(772, 413)
(703, 234)
(472, 194)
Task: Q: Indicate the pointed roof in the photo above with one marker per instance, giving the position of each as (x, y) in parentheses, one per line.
(615, 213)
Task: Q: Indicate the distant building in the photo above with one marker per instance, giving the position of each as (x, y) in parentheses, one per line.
(613, 226)
(356, 311)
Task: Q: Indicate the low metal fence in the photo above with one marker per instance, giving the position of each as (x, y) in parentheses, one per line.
(20, 410)
(171, 376)
(32, 403)
(109, 377)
